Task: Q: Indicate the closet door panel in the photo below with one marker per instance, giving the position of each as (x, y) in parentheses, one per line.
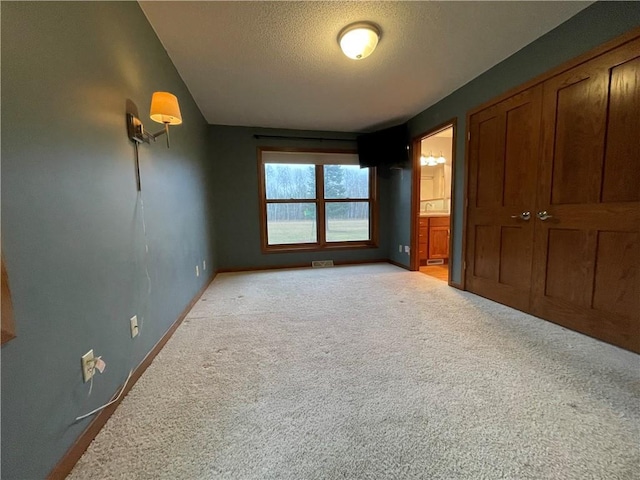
(513, 242)
(520, 161)
(617, 276)
(580, 105)
(568, 268)
(486, 259)
(489, 171)
(586, 257)
(622, 158)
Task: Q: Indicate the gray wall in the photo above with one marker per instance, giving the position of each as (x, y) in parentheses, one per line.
(237, 204)
(591, 27)
(71, 216)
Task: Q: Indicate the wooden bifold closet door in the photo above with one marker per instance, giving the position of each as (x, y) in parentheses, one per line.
(502, 193)
(568, 152)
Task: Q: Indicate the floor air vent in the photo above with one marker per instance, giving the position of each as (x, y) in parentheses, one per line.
(322, 263)
(436, 261)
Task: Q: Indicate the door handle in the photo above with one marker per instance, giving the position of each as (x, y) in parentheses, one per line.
(523, 216)
(543, 215)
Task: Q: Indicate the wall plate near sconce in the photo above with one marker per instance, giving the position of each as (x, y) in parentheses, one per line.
(165, 110)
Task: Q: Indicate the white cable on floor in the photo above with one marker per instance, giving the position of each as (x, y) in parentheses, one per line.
(110, 403)
(91, 385)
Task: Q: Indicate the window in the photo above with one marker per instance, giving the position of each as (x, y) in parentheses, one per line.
(315, 200)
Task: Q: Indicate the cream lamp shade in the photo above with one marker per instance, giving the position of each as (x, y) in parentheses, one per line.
(165, 109)
(359, 40)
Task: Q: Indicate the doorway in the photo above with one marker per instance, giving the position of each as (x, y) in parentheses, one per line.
(433, 161)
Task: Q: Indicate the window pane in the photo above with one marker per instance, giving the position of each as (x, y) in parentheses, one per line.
(346, 181)
(285, 181)
(347, 221)
(291, 223)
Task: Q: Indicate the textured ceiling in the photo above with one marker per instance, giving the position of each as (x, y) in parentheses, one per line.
(278, 64)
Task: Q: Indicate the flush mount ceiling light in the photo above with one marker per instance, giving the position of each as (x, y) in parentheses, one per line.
(359, 40)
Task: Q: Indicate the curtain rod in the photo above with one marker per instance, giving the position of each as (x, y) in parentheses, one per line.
(285, 137)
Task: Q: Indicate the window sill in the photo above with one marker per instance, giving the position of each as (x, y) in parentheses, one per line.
(294, 248)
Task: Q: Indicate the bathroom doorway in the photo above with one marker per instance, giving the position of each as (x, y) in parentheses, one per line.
(433, 154)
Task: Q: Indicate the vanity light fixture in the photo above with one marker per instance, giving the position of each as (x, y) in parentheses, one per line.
(358, 40)
(432, 161)
(164, 109)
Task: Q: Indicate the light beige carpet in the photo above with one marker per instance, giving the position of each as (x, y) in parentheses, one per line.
(371, 372)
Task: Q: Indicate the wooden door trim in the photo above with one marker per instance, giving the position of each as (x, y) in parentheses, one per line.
(568, 65)
(452, 210)
(414, 254)
(414, 257)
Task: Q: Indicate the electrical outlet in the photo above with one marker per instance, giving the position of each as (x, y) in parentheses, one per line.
(134, 326)
(400, 248)
(407, 249)
(88, 366)
(204, 265)
(197, 271)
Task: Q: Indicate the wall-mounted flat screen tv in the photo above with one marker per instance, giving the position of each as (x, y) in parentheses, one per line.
(385, 148)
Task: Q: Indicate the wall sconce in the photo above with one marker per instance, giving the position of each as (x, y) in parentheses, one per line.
(164, 109)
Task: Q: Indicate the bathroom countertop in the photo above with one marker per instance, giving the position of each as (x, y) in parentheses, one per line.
(434, 214)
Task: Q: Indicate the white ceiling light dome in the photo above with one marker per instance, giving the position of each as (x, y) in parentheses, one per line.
(359, 40)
